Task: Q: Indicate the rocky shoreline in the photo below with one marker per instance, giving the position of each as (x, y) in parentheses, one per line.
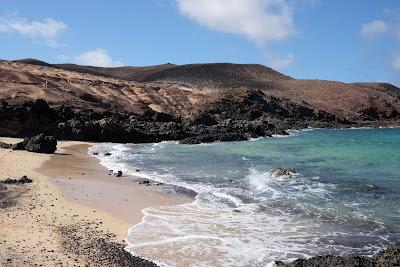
(254, 117)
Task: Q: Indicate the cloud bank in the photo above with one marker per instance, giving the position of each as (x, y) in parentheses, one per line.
(97, 57)
(261, 21)
(46, 30)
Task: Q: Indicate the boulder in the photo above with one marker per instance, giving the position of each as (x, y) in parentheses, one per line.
(20, 145)
(41, 144)
(119, 174)
(5, 145)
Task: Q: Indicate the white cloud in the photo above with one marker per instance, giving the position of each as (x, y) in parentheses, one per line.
(396, 62)
(280, 62)
(47, 30)
(97, 57)
(261, 21)
(373, 28)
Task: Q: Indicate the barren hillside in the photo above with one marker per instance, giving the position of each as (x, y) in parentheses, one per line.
(192, 100)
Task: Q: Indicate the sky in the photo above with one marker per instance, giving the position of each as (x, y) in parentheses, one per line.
(343, 40)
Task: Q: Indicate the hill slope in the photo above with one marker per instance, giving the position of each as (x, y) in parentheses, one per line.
(210, 99)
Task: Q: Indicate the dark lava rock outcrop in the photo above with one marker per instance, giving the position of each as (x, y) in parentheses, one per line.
(63, 122)
(389, 257)
(250, 116)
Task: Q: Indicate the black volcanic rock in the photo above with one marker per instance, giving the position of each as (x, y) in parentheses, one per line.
(41, 144)
(389, 257)
(5, 145)
(205, 119)
(230, 119)
(23, 180)
(19, 145)
(208, 138)
(41, 106)
(331, 261)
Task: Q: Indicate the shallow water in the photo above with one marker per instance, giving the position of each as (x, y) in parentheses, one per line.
(344, 197)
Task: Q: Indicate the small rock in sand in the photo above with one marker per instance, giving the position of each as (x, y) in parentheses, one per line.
(23, 180)
(119, 174)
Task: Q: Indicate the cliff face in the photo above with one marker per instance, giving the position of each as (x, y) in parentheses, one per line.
(198, 102)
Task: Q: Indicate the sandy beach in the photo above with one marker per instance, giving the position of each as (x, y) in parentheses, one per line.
(74, 213)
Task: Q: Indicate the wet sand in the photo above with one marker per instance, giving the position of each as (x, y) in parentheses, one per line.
(82, 179)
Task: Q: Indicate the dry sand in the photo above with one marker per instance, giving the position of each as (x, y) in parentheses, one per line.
(71, 212)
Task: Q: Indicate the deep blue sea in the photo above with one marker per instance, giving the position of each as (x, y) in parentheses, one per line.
(343, 197)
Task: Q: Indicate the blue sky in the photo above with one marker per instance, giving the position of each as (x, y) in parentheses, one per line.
(353, 40)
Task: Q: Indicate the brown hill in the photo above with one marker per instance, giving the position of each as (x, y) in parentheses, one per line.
(206, 75)
(383, 87)
(218, 75)
(188, 90)
(124, 73)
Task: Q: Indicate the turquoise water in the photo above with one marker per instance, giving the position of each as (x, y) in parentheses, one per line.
(344, 197)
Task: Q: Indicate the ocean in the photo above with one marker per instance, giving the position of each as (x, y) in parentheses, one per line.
(342, 197)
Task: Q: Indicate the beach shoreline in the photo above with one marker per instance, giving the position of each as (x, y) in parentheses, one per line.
(72, 212)
(89, 183)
